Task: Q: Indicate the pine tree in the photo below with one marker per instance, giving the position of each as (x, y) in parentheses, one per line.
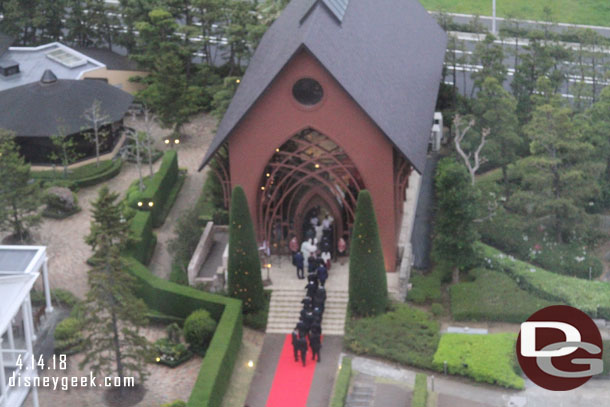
(244, 269)
(368, 287)
(454, 231)
(20, 198)
(112, 313)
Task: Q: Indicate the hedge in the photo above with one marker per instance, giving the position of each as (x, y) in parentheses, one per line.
(342, 383)
(159, 189)
(592, 297)
(426, 287)
(420, 391)
(484, 358)
(80, 177)
(405, 335)
(180, 301)
(143, 247)
(493, 296)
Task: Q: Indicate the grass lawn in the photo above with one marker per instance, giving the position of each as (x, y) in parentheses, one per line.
(484, 358)
(493, 296)
(591, 12)
(404, 335)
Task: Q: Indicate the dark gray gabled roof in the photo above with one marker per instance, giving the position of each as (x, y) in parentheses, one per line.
(39, 109)
(387, 55)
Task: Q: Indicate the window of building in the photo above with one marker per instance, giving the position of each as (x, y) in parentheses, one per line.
(307, 91)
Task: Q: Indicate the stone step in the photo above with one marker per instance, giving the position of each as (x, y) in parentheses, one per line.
(290, 325)
(284, 331)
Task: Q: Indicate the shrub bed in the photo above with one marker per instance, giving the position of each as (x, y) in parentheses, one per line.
(84, 176)
(592, 297)
(493, 296)
(420, 391)
(179, 301)
(342, 383)
(68, 336)
(484, 358)
(516, 235)
(426, 288)
(199, 328)
(405, 335)
(171, 354)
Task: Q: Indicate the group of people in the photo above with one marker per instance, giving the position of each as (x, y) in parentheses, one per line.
(308, 331)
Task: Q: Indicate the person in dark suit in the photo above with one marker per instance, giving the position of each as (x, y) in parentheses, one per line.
(312, 263)
(315, 341)
(307, 303)
(302, 341)
(299, 263)
(301, 328)
(319, 298)
(295, 344)
(322, 272)
(311, 289)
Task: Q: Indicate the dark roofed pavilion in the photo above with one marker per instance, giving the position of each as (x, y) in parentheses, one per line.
(338, 97)
(36, 111)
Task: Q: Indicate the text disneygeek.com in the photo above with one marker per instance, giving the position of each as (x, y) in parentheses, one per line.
(66, 383)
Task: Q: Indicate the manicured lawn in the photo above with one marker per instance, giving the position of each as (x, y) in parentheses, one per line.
(493, 296)
(592, 12)
(484, 358)
(405, 335)
(84, 176)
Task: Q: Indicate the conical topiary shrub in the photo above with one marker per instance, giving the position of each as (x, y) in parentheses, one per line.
(368, 288)
(244, 268)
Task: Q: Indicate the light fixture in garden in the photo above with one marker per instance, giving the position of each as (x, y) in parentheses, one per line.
(317, 166)
(166, 141)
(151, 204)
(177, 141)
(140, 203)
(250, 364)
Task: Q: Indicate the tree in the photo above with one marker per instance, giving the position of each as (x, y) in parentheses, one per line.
(20, 198)
(490, 56)
(134, 150)
(98, 119)
(559, 179)
(495, 110)
(454, 231)
(112, 313)
(460, 134)
(80, 31)
(368, 287)
(599, 121)
(244, 268)
(65, 148)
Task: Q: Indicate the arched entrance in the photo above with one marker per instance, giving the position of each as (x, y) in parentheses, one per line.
(309, 175)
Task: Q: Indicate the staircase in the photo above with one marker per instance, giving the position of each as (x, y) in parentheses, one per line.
(285, 307)
(362, 392)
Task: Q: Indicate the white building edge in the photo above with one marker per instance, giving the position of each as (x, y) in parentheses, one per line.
(20, 267)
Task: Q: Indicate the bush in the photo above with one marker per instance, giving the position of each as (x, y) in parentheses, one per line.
(60, 202)
(178, 302)
(161, 189)
(342, 383)
(258, 320)
(437, 309)
(493, 296)
(244, 268)
(68, 337)
(59, 296)
(420, 391)
(84, 176)
(484, 358)
(199, 328)
(143, 246)
(529, 241)
(405, 335)
(171, 354)
(368, 288)
(425, 287)
(592, 297)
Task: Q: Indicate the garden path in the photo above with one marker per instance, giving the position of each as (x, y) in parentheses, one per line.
(67, 249)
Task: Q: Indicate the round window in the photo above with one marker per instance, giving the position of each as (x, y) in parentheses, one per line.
(307, 91)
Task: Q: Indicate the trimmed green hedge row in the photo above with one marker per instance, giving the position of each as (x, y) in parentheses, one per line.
(80, 177)
(180, 301)
(485, 358)
(420, 391)
(426, 287)
(493, 296)
(405, 335)
(592, 297)
(342, 383)
(143, 247)
(158, 189)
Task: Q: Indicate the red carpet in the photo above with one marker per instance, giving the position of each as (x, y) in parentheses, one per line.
(292, 381)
